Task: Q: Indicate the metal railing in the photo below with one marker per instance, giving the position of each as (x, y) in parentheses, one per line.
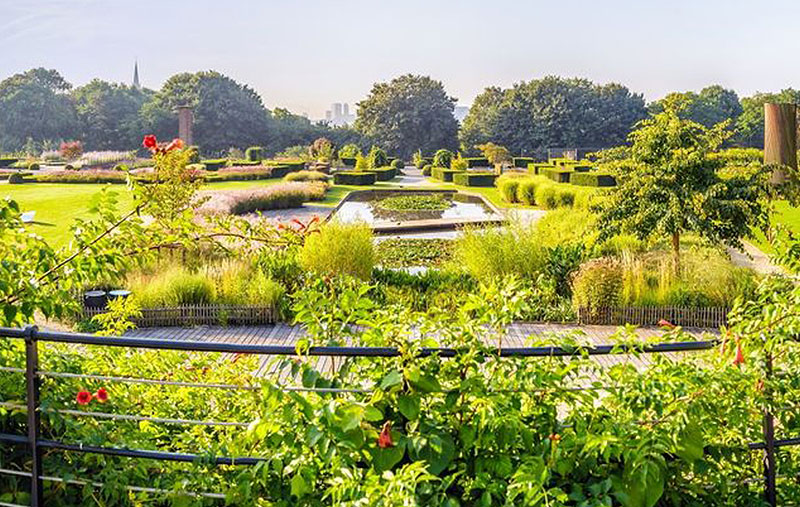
(33, 375)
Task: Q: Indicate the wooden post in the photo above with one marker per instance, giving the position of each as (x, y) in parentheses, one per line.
(780, 139)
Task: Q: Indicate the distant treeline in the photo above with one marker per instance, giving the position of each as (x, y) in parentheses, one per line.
(39, 109)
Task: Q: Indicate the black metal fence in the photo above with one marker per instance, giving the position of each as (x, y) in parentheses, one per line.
(33, 376)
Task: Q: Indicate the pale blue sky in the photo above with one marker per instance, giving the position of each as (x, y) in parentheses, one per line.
(306, 54)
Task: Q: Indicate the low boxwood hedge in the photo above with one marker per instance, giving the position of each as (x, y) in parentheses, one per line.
(215, 164)
(522, 161)
(536, 167)
(254, 153)
(579, 168)
(7, 161)
(355, 178)
(561, 175)
(349, 161)
(593, 179)
(474, 178)
(293, 165)
(279, 171)
(443, 173)
(477, 162)
(384, 173)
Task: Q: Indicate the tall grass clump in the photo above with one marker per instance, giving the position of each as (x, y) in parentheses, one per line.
(497, 252)
(508, 184)
(280, 196)
(173, 287)
(340, 249)
(545, 196)
(306, 176)
(526, 191)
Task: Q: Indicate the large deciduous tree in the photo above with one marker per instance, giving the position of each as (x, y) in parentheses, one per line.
(407, 114)
(226, 113)
(750, 124)
(35, 105)
(108, 114)
(712, 105)
(552, 112)
(672, 186)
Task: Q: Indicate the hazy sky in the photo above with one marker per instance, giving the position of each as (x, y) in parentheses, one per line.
(306, 54)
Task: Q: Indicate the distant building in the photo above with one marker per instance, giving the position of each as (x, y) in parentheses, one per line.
(460, 112)
(339, 115)
(136, 76)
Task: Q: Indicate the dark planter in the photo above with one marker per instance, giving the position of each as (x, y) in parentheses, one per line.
(95, 299)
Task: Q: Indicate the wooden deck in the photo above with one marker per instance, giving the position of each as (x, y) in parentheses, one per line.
(284, 334)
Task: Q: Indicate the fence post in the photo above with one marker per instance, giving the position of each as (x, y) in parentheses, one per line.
(770, 489)
(32, 381)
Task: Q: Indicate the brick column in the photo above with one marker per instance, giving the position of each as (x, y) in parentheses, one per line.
(185, 121)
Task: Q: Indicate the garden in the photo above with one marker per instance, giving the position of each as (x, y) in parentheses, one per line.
(446, 415)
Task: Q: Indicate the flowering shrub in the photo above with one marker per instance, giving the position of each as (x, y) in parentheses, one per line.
(71, 150)
(280, 196)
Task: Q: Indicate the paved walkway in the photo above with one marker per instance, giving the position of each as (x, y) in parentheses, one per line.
(284, 334)
(755, 259)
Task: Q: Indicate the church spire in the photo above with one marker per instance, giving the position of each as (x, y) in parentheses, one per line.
(136, 76)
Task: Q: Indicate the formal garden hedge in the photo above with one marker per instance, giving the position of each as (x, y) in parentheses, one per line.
(474, 178)
(384, 173)
(215, 164)
(558, 174)
(8, 161)
(536, 167)
(522, 161)
(349, 161)
(443, 173)
(355, 178)
(254, 153)
(477, 162)
(292, 163)
(593, 179)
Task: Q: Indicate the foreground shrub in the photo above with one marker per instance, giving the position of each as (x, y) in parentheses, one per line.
(349, 151)
(377, 158)
(16, 179)
(526, 191)
(508, 185)
(340, 249)
(215, 164)
(173, 287)
(545, 196)
(427, 169)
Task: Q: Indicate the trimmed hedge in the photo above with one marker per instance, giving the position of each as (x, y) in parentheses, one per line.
(522, 161)
(477, 162)
(426, 170)
(560, 162)
(254, 153)
(579, 168)
(16, 179)
(398, 164)
(384, 173)
(292, 164)
(215, 164)
(557, 174)
(349, 161)
(474, 178)
(33, 166)
(243, 162)
(593, 179)
(355, 178)
(443, 173)
(8, 161)
(536, 167)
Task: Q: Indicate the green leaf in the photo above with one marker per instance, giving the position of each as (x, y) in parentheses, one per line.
(299, 486)
(437, 449)
(372, 414)
(690, 443)
(385, 459)
(391, 379)
(310, 377)
(644, 484)
(408, 405)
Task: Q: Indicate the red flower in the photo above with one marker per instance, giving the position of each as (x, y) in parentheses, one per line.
(101, 395)
(554, 437)
(739, 359)
(175, 144)
(667, 324)
(385, 438)
(83, 398)
(150, 142)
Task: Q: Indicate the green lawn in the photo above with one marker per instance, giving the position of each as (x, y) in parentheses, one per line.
(785, 215)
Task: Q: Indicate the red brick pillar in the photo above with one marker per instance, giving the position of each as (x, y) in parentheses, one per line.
(185, 120)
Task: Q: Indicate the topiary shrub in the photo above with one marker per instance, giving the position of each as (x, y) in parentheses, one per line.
(526, 191)
(215, 164)
(426, 170)
(8, 161)
(279, 171)
(349, 151)
(348, 161)
(477, 162)
(558, 174)
(535, 168)
(398, 164)
(70, 167)
(522, 161)
(443, 173)
(194, 154)
(545, 196)
(459, 163)
(124, 167)
(340, 249)
(565, 197)
(254, 154)
(508, 188)
(474, 178)
(593, 179)
(442, 158)
(596, 285)
(16, 179)
(384, 173)
(355, 178)
(33, 166)
(377, 158)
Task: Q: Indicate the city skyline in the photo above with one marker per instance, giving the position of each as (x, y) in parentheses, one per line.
(306, 65)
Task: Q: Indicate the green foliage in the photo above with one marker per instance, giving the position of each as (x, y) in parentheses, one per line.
(508, 184)
(384, 173)
(401, 253)
(526, 191)
(442, 158)
(408, 113)
(398, 164)
(16, 179)
(321, 150)
(254, 153)
(497, 155)
(349, 151)
(493, 253)
(306, 176)
(377, 158)
(597, 285)
(522, 162)
(173, 287)
(427, 170)
(215, 164)
(459, 163)
(477, 162)
(546, 196)
(559, 175)
(593, 179)
(414, 202)
(108, 114)
(443, 173)
(354, 178)
(474, 178)
(340, 249)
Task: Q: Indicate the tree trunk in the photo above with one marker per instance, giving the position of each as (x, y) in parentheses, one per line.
(676, 253)
(498, 169)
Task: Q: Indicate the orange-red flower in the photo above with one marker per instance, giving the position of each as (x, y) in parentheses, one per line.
(385, 438)
(83, 398)
(554, 437)
(175, 144)
(150, 142)
(101, 395)
(665, 323)
(739, 359)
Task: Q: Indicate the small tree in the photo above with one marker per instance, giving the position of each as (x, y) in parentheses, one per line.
(672, 186)
(321, 150)
(497, 155)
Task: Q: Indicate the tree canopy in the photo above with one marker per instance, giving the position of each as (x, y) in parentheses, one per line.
(672, 187)
(552, 112)
(409, 113)
(108, 114)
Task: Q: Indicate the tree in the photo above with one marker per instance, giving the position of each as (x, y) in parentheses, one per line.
(289, 129)
(35, 105)
(408, 113)
(750, 124)
(552, 112)
(226, 113)
(498, 156)
(108, 114)
(712, 105)
(672, 186)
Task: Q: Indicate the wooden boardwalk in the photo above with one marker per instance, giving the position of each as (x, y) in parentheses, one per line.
(284, 334)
